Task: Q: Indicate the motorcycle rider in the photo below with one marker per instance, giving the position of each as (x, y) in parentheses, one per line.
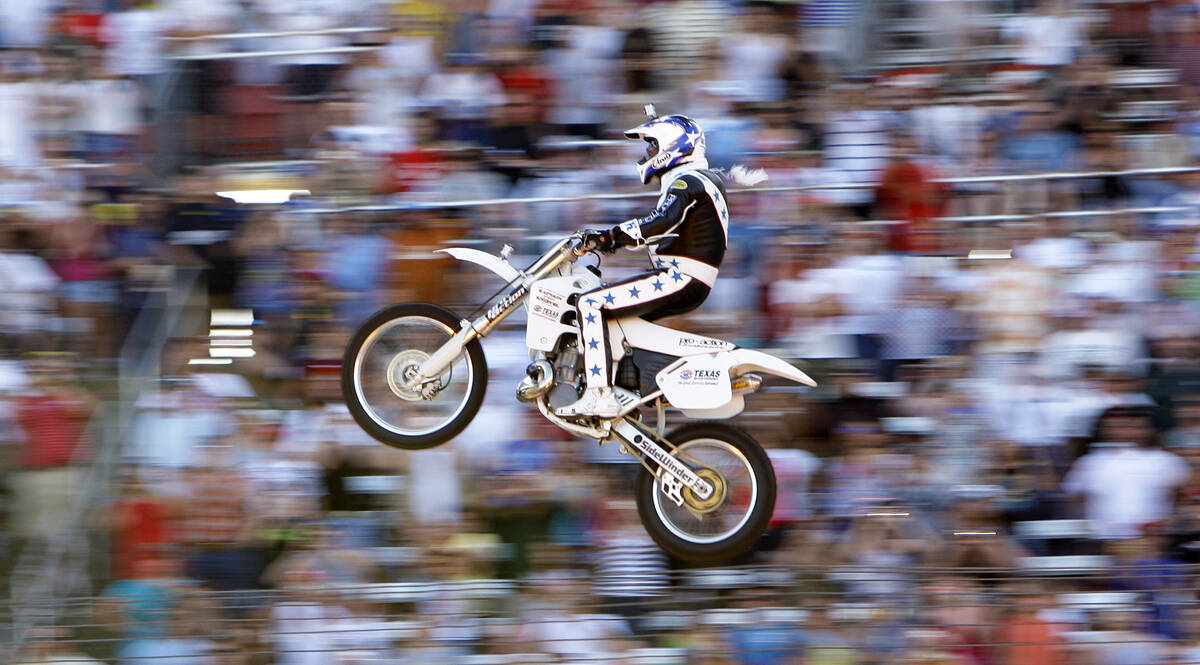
(687, 233)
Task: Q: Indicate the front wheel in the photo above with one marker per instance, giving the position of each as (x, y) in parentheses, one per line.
(728, 522)
(385, 352)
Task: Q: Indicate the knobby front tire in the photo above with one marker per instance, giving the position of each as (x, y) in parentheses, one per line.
(387, 347)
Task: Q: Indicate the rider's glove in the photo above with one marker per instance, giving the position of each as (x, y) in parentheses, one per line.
(601, 241)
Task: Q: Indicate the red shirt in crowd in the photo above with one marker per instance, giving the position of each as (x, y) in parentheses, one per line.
(140, 525)
(412, 166)
(907, 193)
(54, 426)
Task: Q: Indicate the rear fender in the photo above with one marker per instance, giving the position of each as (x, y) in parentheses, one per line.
(705, 382)
(749, 360)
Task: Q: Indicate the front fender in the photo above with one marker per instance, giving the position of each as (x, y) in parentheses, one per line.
(490, 261)
(745, 360)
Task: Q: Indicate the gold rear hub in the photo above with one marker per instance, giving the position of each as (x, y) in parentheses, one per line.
(714, 500)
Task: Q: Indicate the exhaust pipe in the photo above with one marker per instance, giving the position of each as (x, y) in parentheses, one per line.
(539, 376)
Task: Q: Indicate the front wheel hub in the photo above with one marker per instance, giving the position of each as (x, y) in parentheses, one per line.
(402, 368)
(714, 500)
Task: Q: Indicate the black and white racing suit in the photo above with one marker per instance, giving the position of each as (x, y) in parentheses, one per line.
(693, 207)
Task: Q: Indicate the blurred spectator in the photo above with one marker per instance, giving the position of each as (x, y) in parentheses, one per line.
(50, 646)
(219, 531)
(754, 55)
(1027, 635)
(1136, 644)
(324, 559)
(881, 543)
(141, 523)
(186, 642)
(1037, 143)
(141, 607)
(761, 640)
(53, 415)
(463, 94)
(630, 571)
(29, 285)
(583, 68)
(304, 623)
(978, 538)
(794, 472)
(560, 624)
(856, 143)
(908, 195)
(1148, 568)
(1145, 481)
(135, 39)
(104, 218)
(18, 111)
(1049, 36)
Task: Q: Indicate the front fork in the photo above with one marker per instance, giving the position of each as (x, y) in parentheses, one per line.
(443, 358)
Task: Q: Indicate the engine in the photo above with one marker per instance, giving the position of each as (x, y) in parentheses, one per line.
(568, 372)
(562, 379)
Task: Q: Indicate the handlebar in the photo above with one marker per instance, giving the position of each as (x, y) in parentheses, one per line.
(578, 246)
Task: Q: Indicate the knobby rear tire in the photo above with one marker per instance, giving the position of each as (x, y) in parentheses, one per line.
(652, 503)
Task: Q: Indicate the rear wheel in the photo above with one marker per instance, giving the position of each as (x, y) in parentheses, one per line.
(381, 357)
(732, 519)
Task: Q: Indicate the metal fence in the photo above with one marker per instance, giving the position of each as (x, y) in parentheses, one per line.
(841, 614)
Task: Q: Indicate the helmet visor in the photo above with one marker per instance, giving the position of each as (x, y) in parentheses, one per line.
(651, 150)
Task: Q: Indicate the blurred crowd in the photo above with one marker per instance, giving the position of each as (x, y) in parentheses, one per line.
(969, 412)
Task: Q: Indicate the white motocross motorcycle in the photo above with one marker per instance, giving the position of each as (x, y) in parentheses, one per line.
(414, 376)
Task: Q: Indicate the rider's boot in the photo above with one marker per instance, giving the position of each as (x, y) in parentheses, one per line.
(601, 401)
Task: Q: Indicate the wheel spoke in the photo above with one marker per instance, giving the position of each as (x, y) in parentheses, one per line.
(738, 483)
(385, 361)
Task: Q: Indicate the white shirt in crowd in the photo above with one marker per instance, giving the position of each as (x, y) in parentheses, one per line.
(1066, 353)
(305, 15)
(870, 286)
(210, 17)
(1055, 253)
(411, 58)
(1125, 488)
(794, 469)
(1045, 40)
(953, 131)
(1123, 282)
(18, 116)
(857, 146)
(306, 633)
(570, 636)
(463, 95)
(1033, 415)
(304, 431)
(584, 74)
(107, 106)
(169, 432)
(752, 62)
(28, 285)
(136, 44)
(23, 23)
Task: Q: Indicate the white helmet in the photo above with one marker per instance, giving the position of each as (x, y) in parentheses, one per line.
(672, 139)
